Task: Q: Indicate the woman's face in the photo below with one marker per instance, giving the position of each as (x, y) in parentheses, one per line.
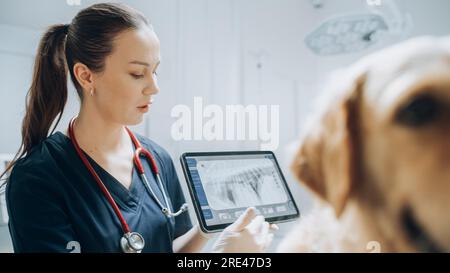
(124, 89)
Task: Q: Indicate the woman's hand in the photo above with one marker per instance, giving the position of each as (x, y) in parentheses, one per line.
(249, 233)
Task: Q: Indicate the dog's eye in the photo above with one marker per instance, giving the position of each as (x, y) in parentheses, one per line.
(420, 111)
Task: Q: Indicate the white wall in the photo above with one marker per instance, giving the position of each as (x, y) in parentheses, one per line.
(16, 55)
(210, 49)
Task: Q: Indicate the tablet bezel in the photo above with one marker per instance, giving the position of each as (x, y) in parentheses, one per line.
(196, 203)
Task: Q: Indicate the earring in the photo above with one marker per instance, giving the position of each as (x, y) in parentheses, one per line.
(92, 92)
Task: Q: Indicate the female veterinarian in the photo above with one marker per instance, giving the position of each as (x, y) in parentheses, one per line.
(98, 187)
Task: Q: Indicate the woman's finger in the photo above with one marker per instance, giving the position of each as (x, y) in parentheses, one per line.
(274, 227)
(247, 217)
(255, 225)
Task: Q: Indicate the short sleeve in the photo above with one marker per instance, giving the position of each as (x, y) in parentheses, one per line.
(37, 220)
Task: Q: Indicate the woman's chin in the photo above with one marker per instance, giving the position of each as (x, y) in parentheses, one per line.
(135, 121)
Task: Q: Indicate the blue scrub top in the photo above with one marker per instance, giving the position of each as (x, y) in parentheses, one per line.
(55, 205)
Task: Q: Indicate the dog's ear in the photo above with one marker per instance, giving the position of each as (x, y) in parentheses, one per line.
(327, 159)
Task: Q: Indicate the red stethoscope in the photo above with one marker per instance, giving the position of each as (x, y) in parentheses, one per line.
(131, 242)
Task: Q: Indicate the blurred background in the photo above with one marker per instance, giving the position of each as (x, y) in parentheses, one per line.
(259, 52)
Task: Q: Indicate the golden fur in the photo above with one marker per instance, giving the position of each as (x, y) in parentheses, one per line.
(378, 156)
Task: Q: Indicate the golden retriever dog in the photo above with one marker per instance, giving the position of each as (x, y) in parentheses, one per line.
(378, 156)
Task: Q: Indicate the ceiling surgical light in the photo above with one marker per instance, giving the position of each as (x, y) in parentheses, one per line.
(351, 33)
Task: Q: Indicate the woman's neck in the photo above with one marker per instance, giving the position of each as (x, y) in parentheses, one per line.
(95, 135)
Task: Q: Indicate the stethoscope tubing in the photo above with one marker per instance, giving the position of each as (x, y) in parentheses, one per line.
(125, 227)
(128, 241)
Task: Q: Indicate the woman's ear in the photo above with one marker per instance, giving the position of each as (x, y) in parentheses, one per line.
(327, 161)
(84, 76)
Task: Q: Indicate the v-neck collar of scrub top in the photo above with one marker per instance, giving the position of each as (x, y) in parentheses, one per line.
(126, 199)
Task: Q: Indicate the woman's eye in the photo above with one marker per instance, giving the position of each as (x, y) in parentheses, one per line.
(137, 76)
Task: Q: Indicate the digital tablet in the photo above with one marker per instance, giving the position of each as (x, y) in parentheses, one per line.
(223, 184)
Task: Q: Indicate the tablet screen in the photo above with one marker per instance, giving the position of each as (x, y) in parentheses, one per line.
(224, 185)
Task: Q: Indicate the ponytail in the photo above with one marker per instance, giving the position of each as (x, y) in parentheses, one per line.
(47, 95)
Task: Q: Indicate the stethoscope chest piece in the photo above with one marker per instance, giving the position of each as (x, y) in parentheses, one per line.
(132, 242)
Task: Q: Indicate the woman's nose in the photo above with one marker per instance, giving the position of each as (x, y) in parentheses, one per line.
(151, 89)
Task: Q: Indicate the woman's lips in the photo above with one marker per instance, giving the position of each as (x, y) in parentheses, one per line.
(144, 108)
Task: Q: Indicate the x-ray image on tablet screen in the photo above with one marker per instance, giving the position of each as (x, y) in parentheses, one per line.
(223, 185)
(231, 184)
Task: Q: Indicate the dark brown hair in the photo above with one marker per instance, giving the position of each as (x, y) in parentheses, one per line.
(87, 40)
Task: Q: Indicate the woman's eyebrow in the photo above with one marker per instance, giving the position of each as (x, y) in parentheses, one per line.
(144, 63)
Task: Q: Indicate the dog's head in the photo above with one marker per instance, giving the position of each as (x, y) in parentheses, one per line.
(384, 145)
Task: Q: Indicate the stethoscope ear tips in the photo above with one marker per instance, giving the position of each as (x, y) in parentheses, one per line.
(169, 214)
(165, 211)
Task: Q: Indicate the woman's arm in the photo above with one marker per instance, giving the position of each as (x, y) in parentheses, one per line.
(37, 221)
(191, 241)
